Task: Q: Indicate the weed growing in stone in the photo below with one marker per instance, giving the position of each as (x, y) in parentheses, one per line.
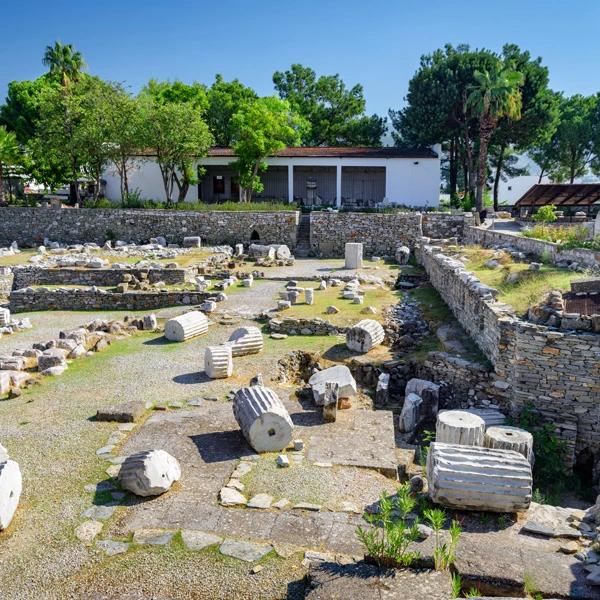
(387, 541)
(444, 553)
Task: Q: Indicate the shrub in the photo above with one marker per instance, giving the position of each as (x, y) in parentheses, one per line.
(387, 542)
(444, 553)
(573, 235)
(545, 214)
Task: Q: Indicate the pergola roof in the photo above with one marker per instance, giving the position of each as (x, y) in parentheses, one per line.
(561, 194)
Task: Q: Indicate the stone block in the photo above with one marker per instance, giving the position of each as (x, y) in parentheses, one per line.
(364, 336)
(192, 241)
(124, 412)
(510, 438)
(246, 340)
(186, 326)
(353, 255)
(459, 427)
(339, 374)
(218, 362)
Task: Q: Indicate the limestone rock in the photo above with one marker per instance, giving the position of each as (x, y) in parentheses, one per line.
(510, 438)
(330, 402)
(54, 357)
(474, 478)
(353, 254)
(332, 310)
(88, 530)
(281, 251)
(218, 363)
(231, 497)
(247, 551)
(459, 427)
(263, 418)
(364, 336)
(402, 255)
(246, 340)
(4, 382)
(11, 485)
(150, 322)
(339, 374)
(186, 326)
(149, 473)
(192, 242)
(260, 501)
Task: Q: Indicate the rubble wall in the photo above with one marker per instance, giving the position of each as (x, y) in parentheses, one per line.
(29, 226)
(557, 371)
(27, 276)
(80, 299)
(445, 225)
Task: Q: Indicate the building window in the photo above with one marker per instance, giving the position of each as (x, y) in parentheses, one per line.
(218, 184)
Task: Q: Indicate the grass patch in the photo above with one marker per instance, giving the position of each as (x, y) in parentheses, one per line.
(17, 259)
(350, 313)
(531, 287)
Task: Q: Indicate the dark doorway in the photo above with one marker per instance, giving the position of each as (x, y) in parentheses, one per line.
(255, 236)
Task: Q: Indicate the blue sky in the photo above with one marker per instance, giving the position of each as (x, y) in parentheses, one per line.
(375, 42)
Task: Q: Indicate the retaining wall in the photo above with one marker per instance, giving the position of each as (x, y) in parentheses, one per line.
(76, 299)
(27, 276)
(446, 225)
(29, 226)
(539, 248)
(557, 371)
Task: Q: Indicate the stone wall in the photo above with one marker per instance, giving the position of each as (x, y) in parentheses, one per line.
(26, 300)
(380, 234)
(440, 225)
(557, 371)
(291, 326)
(27, 276)
(6, 281)
(29, 226)
(539, 248)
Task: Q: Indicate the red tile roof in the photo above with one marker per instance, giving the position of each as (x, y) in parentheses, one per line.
(338, 152)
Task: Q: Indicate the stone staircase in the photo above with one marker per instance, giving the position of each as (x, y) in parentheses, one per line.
(303, 237)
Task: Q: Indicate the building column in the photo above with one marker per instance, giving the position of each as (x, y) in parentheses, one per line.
(290, 183)
(338, 186)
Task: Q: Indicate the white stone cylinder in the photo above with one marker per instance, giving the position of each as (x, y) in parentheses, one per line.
(490, 416)
(281, 251)
(11, 485)
(510, 438)
(149, 473)
(218, 363)
(353, 254)
(4, 317)
(261, 251)
(263, 418)
(246, 340)
(186, 326)
(365, 335)
(459, 427)
(475, 478)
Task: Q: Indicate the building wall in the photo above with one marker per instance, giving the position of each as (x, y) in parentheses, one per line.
(510, 191)
(408, 181)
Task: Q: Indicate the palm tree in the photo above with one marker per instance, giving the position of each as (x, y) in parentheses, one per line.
(9, 154)
(496, 94)
(63, 60)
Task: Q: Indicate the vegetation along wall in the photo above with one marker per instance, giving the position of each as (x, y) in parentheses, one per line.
(556, 371)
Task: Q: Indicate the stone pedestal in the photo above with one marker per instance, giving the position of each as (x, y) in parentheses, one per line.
(149, 473)
(353, 255)
(218, 362)
(474, 478)
(364, 336)
(459, 427)
(510, 438)
(186, 326)
(10, 491)
(263, 418)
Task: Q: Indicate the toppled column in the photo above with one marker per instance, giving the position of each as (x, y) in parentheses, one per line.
(475, 478)
(364, 336)
(261, 251)
(330, 402)
(281, 251)
(459, 427)
(149, 473)
(353, 254)
(510, 438)
(186, 326)
(263, 418)
(218, 363)
(11, 485)
(246, 340)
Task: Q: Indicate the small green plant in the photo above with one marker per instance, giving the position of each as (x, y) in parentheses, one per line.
(444, 553)
(530, 586)
(503, 521)
(456, 584)
(538, 497)
(427, 437)
(387, 541)
(545, 214)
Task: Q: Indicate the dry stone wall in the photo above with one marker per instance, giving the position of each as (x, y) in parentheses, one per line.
(27, 276)
(29, 226)
(26, 299)
(445, 225)
(557, 371)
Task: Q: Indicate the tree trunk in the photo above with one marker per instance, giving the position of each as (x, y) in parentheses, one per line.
(541, 175)
(498, 175)
(484, 142)
(453, 169)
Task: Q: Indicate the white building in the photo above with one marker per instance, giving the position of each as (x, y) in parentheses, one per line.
(351, 177)
(511, 190)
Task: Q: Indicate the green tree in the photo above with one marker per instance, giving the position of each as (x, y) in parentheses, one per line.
(64, 62)
(538, 118)
(178, 135)
(177, 92)
(9, 155)
(225, 98)
(260, 129)
(495, 94)
(335, 114)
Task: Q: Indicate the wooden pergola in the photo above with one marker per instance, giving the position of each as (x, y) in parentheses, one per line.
(582, 195)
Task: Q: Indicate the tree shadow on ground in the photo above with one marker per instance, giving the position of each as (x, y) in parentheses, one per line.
(192, 378)
(160, 341)
(219, 446)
